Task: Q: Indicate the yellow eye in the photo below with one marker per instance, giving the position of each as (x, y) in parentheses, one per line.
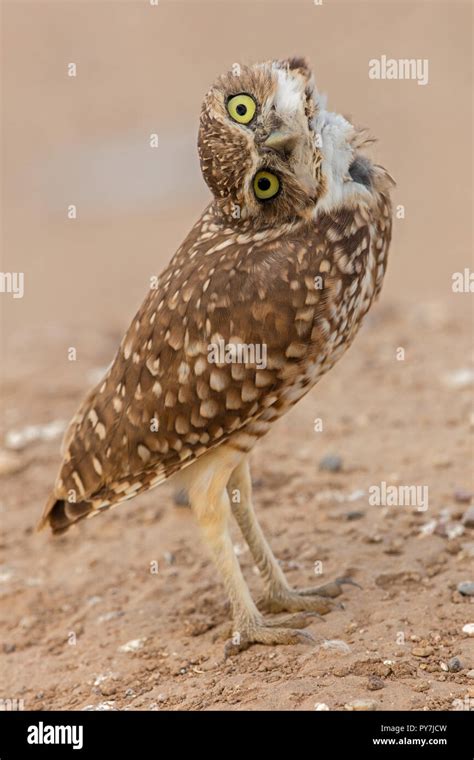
(241, 108)
(265, 185)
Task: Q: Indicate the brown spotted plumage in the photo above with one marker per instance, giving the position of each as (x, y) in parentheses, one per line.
(291, 275)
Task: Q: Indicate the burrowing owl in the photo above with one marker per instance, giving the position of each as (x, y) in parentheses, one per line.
(266, 293)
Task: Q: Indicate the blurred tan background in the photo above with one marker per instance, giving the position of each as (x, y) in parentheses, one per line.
(144, 69)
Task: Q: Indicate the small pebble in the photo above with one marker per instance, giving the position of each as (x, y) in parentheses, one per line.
(341, 671)
(110, 616)
(100, 679)
(428, 528)
(354, 515)
(5, 574)
(469, 629)
(468, 518)
(467, 547)
(455, 665)
(375, 683)
(336, 645)
(355, 495)
(320, 707)
(463, 497)
(470, 674)
(466, 588)
(442, 461)
(180, 498)
(360, 705)
(454, 547)
(449, 529)
(394, 547)
(132, 646)
(331, 463)
(374, 538)
(459, 378)
(443, 666)
(108, 689)
(421, 686)
(422, 651)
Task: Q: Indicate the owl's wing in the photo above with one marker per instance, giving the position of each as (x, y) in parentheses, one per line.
(177, 388)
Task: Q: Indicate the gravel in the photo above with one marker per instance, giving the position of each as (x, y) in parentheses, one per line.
(331, 463)
(466, 588)
(462, 496)
(361, 705)
(422, 651)
(468, 518)
(454, 665)
(375, 683)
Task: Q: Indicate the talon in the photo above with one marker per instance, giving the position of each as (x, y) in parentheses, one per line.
(309, 614)
(231, 648)
(314, 614)
(306, 638)
(294, 620)
(266, 634)
(331, 589)
(319, 599)
(349, 581)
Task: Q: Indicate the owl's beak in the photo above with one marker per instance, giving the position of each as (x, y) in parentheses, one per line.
(281, 141)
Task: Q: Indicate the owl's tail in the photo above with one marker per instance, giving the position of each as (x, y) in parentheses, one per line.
(60, 514)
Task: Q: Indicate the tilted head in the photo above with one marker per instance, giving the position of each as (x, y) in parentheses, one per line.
(271, 152)
(257, 143)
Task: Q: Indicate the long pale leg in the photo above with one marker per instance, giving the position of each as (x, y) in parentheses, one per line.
(278, 593)
(210, 502)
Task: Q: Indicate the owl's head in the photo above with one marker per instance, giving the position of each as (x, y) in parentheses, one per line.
(257, 142)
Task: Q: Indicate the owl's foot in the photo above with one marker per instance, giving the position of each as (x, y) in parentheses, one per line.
(293, 620)
(268, 633)
(317, 599)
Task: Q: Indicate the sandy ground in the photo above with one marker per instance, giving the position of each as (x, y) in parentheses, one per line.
(68, 605)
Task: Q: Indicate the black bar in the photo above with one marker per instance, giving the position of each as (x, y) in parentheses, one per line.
(143, 734)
